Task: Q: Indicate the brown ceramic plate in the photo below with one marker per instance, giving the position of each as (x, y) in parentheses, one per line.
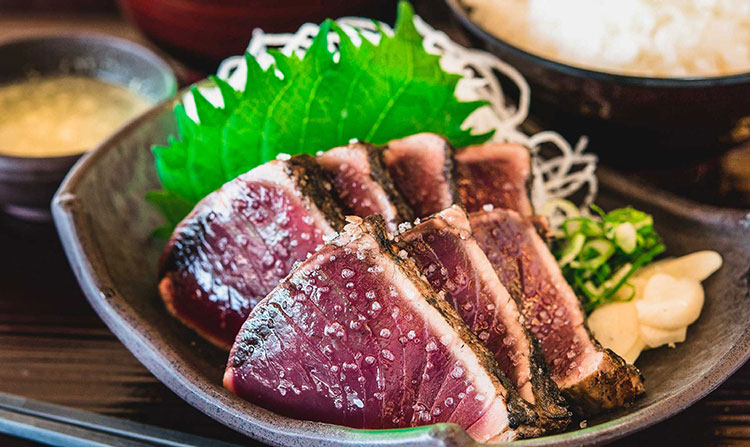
(105, 226)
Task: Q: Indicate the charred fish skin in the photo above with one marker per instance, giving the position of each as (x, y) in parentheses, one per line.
(356, 336)
(496, 174)
(616, 384)
(591, 378)
(240, 240)
(312, 181)
(447, 254)
(422, 168)
(554, 410)
(379, 173)
(362, 185)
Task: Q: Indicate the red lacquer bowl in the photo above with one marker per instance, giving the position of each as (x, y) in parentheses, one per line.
(201, 33)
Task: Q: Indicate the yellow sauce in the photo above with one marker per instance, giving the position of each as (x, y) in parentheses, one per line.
(62, 115)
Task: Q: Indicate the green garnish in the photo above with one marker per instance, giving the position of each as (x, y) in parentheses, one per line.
(598, 255)
(374, 92)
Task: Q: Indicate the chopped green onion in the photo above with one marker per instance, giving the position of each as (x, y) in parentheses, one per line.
(598, 255)
(626, 237)
(582, 225)
(572, 249)
(565, 207)
(593, 254)
(620, 276)
(572, 226)
(591, 290)
(647, 221)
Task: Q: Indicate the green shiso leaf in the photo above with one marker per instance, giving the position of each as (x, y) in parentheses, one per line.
(373, 92)
(172, 207)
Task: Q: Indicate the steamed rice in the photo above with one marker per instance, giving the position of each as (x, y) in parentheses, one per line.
(657, 38)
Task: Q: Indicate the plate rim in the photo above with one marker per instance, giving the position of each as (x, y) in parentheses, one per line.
(121, 318)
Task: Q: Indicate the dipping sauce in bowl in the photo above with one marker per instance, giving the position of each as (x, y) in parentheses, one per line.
(62, 115)
(60, 96)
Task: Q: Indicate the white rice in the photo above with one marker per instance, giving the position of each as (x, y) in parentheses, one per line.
(656, 38)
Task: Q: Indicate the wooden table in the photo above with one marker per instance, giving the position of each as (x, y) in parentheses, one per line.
(55, 349)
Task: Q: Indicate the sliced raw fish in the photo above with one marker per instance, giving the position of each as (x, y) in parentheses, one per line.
(356, 336)
(421, 166)
(241, 240)
(444, 249)
(496, 174)
(362, 185)
(592, 378)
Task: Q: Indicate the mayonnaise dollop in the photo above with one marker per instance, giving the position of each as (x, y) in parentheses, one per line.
(668, 298)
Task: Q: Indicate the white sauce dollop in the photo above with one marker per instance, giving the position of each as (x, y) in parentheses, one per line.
(668, 298)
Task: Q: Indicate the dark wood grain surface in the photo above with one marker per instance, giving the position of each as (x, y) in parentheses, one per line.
(54, 348)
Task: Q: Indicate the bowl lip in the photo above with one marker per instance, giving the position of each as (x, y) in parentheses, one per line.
(16, 160)
(105, 40)
(33, 170)
(74, 227)
(460, 12)
(100, 39)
